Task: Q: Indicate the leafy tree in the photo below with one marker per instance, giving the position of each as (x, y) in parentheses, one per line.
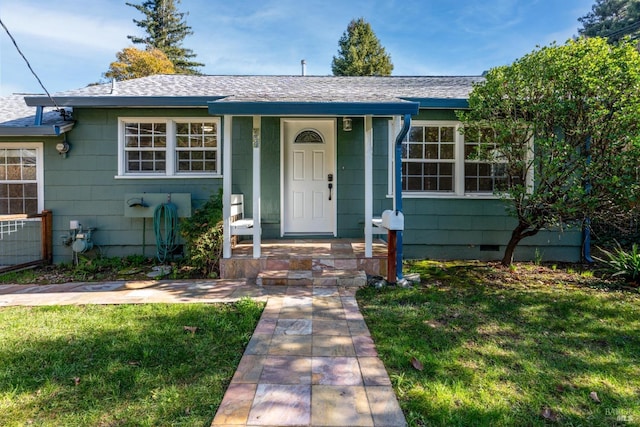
(132, 63)
(568, 116)
(612, 19)
(360, 53)
(166, 29)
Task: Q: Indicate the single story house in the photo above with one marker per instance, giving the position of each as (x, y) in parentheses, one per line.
(312, 157)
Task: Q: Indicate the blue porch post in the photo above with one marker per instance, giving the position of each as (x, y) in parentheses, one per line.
(398, 183)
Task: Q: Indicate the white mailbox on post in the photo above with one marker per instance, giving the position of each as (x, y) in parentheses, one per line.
(393, 220)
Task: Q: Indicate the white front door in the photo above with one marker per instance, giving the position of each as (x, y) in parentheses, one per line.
(308, 203)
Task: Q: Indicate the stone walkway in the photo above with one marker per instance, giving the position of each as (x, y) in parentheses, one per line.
(310, 361)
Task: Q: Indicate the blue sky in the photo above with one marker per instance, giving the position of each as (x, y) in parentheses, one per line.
(70, 43)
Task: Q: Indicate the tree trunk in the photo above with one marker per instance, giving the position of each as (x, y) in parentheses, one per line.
(518, 233)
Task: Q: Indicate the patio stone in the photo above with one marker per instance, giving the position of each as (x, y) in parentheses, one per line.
(337, 371)
(384, 407)
(373, 372)
(340, 406)
(235, 406)
(293, 327)
(286, 370)
(281, 405)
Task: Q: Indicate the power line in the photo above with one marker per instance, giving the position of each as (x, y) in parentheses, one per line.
(28, 64)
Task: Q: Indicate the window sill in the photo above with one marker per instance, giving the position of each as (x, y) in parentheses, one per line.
(407, 195)
(157, 176)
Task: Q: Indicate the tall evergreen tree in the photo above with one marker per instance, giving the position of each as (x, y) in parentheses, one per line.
(612, 19)
(166, 29)
(361, 53)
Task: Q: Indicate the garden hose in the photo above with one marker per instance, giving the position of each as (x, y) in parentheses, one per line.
(165, 218)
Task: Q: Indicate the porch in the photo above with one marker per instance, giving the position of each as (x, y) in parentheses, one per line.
(305, 261)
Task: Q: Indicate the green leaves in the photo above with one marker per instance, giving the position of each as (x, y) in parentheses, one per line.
(571, 115)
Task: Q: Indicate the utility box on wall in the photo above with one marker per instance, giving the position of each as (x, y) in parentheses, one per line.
(143, 205)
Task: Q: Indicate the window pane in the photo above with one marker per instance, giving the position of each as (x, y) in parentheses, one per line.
(132, 141)
(446, 184)
(431, 184)
(30, 206)
(31, 190)
(485, 184)
(182, 141)
(446, 151)
(431, 151)
(432, 134)
(196, 141)
(182, 128)
(446, 134)
(416, 134)
(414, 184)
(16, 191)
(210, 141)
(446, 169)
(414, 168)
(415, 151)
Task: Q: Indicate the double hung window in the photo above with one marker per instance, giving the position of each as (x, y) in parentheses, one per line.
(439, 159)
(169, 147)
(21, 179)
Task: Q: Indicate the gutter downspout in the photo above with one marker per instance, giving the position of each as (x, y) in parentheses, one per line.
(586, 230)
(398, 193)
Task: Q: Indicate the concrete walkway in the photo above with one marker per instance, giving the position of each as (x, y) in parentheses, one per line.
(310, 361)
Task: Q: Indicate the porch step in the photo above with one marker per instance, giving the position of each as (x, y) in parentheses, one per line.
(311, 278)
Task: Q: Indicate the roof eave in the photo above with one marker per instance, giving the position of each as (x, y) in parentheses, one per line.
(440, 103)
(287, 108)
(120, 101)
(56, 129)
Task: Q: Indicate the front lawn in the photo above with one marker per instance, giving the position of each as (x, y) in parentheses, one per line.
(478, 344)
(127, 365)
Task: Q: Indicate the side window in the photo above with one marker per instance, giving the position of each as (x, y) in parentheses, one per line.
(20, 179)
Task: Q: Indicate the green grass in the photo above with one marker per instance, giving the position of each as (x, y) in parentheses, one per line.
(500, 346)
(128, 365)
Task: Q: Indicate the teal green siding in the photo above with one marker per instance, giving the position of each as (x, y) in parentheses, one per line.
(270, 177)
(83, 187)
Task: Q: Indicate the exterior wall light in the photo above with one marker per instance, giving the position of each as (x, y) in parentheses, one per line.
(63, 148)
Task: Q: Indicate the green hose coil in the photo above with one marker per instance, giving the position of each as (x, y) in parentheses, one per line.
(165, 218)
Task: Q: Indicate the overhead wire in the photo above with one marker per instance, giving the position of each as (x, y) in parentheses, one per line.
(13, 40)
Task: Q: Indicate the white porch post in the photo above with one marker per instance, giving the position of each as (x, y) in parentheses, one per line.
(257, 223)
(226, 187)
(368, 186)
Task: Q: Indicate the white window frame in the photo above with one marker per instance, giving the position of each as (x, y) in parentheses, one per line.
(171, 148)
(38, 146)
(459, 162)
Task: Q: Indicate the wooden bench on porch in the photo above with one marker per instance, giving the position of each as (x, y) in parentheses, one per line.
(240, 226)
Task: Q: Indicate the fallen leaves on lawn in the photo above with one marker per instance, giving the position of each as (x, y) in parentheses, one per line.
(191, 329)
(76, 381)
(416, 364)
(594, 396)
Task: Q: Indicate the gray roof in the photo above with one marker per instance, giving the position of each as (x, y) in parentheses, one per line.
(198, 90)
(16, 118)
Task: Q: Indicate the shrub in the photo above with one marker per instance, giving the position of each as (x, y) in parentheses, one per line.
(621, 262)
(202, 233)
